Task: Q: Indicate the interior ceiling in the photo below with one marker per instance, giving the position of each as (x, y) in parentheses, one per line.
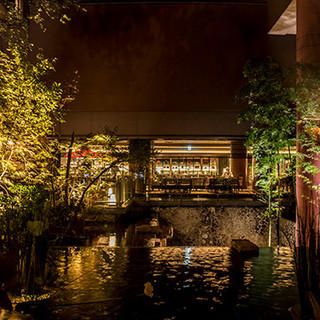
(229, 2)
(191, 148)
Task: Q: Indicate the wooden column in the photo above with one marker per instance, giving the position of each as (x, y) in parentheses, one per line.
(239, 160)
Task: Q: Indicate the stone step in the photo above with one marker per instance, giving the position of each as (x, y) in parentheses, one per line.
(244, 246)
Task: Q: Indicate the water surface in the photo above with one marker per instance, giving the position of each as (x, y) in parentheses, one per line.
(172, 283)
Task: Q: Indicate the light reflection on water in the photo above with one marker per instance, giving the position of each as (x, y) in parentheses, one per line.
(188, 282)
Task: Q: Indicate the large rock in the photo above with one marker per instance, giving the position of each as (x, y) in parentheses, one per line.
(244, 246)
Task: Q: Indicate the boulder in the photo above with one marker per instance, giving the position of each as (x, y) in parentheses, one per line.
(244, 246)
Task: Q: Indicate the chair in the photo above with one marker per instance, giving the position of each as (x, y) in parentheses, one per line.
(171, 184)
(185, 185)
(198, 183)
(216, 185)
(235, 185)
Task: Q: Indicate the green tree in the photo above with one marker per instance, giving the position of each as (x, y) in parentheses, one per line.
(279, 101)
(98, 161)
(30, 107)
(99, 157)
(307, 250)
(271, 113)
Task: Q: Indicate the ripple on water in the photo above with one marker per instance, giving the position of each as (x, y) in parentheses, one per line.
(186, 282)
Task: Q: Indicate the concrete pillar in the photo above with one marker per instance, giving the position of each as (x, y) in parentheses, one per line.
(308, 31)
(238, 161)
(308, 51)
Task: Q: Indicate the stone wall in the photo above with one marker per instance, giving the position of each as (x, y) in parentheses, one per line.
(217, 226)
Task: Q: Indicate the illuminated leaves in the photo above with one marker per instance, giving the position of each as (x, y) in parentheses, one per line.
(272, 115)
(30, 106)
(279, 100)
(271, 111)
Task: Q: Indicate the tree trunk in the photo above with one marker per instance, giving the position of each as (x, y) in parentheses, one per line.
(278, 209)
(68, 170)
(269, 231)
(269, 218)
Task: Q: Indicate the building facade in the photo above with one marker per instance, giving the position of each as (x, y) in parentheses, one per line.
(166, 71)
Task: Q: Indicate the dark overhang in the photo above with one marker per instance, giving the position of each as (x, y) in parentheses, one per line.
(286, 24)
(215, 2)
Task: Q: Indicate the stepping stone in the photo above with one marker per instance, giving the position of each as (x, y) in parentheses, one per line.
(244, 246)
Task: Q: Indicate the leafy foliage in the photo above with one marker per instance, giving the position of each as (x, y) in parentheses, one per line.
(19, 14)
(279, 101)
(30, 108)
(307, 252)
(271, 108)
(308, 110)
(98, 157)
(271, 112)
(26, 203)
(28, 111)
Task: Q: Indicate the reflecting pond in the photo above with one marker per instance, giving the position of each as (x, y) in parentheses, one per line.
(172, 283)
